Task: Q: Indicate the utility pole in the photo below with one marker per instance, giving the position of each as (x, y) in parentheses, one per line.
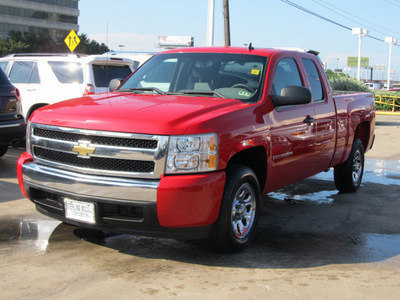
(226, 23)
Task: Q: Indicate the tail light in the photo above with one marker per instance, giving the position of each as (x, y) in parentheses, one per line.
(15, 92)
(89, 90)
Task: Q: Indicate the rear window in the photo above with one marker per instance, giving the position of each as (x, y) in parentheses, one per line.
(67, 72)
(103, 74)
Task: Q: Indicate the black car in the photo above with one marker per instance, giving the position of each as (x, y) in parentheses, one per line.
(12, 123)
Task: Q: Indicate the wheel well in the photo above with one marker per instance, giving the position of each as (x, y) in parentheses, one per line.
(363, 133)
(254, 158)
(33, 108)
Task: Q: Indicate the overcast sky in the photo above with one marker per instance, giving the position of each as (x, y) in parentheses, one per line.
(136, 24)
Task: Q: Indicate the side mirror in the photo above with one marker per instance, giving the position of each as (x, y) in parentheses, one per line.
(114, 83)
(293, 95)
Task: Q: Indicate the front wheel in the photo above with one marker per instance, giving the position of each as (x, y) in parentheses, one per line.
(237, 222)
(348, 175)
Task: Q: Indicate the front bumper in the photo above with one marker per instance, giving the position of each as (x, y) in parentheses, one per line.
(183, 206)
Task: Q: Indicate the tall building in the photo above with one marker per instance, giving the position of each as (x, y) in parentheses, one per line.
(54, 17)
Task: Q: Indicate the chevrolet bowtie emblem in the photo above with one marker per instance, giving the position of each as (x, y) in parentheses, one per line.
(83, 149)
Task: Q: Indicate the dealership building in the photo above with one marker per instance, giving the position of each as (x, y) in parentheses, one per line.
(53, 17)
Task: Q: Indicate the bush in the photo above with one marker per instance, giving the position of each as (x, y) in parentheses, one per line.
(347, 84)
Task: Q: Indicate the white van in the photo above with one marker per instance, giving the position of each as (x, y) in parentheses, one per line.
(373, 86)
(44, 79)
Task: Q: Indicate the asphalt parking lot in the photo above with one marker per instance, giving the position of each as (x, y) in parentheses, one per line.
(313, 243)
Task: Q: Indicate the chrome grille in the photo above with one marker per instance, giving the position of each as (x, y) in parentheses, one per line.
(111, 153)
(102, 140)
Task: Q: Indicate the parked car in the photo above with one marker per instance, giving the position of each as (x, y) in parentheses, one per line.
(373, 86)
(385, 86)
(44, 79)
(394, 90)
(190, 142)
(12, 123)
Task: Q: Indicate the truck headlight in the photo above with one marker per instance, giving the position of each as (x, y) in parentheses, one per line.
(192, 153)
(28, 137)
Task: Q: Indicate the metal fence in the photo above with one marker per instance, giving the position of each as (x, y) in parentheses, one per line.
(387, 103)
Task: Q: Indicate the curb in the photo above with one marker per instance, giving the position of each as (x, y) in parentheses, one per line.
(388, 113)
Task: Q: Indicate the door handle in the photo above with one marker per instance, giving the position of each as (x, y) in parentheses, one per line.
(309, 120)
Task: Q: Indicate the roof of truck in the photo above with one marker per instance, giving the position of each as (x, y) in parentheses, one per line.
(239, 50)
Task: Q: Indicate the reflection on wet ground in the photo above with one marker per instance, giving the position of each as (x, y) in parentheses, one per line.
(382, 172)
(280, 243)
(273, 249)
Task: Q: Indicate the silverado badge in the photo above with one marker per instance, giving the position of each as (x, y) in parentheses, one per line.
(83, 149)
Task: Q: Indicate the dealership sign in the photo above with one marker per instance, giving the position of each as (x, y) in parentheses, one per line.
(353, 61)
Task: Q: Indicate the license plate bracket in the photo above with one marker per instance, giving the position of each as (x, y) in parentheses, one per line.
(80, 211)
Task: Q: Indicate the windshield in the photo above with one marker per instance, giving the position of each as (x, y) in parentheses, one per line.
(235, 76)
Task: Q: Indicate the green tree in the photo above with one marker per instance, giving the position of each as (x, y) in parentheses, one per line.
(44, 43)
(11, 46)
(88, 46)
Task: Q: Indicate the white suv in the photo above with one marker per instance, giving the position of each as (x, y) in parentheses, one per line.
(44, 79)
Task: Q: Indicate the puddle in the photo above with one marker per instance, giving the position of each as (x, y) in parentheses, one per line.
(323, 197)
(32, 233)
(384, 172)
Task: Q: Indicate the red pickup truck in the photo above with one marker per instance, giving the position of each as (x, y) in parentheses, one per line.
(190, 142)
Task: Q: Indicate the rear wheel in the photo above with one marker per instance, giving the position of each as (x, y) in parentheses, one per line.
(237, 222)
(348, 175)
(3, 150)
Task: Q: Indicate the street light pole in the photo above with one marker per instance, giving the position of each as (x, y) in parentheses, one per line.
(210, 24)
(391, 41)
(360, 32)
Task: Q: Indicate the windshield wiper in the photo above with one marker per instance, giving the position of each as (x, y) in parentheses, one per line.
(144, 89)
(206, 93)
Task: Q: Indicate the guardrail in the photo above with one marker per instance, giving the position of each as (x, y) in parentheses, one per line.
(388, 103)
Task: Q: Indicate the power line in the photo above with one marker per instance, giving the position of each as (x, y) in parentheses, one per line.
(391, 2)
(314, 14)
(324, 18)
(335, 8)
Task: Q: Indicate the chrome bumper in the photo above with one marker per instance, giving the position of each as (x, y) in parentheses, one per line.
(116, 188)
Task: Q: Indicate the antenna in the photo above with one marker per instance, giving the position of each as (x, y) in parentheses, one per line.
(251, 47)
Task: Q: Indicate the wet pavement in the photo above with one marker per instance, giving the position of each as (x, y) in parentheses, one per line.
(312, 243)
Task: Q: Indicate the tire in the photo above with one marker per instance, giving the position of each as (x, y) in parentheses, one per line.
(238, 217)
(3, 150)
(348, 175)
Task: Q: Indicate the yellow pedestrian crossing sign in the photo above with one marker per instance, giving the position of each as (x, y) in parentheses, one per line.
(72, 40)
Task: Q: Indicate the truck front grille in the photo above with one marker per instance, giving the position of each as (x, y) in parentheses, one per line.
(102, 140)
(99, 152)
(97, 163)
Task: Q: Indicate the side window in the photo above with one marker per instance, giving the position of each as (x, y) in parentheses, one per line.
(67, 72)
(286, 74)
(314, 79)
(24, 72)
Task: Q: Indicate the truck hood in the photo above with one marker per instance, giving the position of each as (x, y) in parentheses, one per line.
(136, 113)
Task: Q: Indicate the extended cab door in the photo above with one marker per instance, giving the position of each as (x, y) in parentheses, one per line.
(292, 131)
(325, 114)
